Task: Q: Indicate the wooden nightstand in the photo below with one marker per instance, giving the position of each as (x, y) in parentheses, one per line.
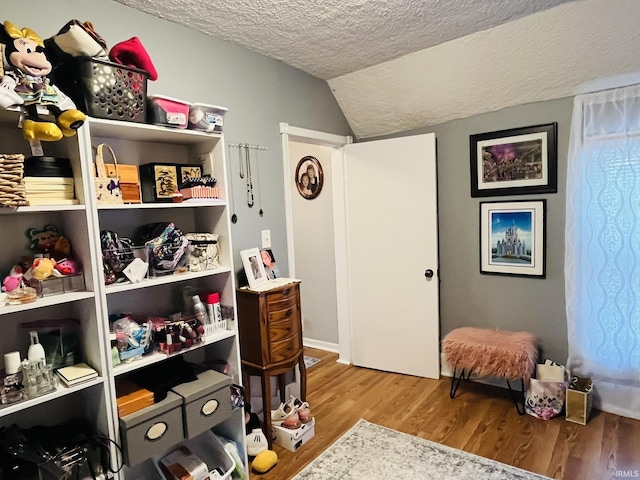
(270, 327)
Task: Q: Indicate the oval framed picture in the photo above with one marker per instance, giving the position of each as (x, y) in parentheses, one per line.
(309, 177)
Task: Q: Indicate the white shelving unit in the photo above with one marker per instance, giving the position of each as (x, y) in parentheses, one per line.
(134, 144)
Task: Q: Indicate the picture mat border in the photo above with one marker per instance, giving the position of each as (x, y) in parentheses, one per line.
(538, 208)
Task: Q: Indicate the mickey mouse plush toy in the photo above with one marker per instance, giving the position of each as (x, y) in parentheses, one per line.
(25, 83)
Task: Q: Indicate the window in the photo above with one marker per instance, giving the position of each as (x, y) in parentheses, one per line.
(602, 254)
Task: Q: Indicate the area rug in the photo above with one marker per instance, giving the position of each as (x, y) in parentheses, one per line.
(371, 452)
(310, 361)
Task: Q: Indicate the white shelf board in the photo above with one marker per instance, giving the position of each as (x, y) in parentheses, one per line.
(149, 133)
(41, 208)
(153, 281)
(61, 391)
(186, 204)
(155, 357)
(47, 302)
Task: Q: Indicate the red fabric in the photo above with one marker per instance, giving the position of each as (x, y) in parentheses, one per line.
(133, 54)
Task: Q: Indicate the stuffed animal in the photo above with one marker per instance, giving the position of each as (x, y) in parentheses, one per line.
(41, 268)
(13, 280)
(49, 242)
(25, 83)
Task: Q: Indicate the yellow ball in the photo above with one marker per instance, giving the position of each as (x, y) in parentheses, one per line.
(264, 461)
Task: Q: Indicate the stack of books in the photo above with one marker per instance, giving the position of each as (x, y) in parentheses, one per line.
(74, 374)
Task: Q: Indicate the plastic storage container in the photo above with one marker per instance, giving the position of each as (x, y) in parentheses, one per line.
(168, 112)
(208, 449)
(206, 118)
(104, 89)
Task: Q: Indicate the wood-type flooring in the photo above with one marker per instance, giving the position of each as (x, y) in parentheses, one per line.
(481, 419)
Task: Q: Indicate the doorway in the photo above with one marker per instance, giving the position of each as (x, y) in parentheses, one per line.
(313, 225)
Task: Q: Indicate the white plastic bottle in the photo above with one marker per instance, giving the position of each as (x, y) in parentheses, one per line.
(36, 351)
(213, 308)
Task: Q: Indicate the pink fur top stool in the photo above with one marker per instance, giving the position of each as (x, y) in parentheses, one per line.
(488, 352)
(498, 353)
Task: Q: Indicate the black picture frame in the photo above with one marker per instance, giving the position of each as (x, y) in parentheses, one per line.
(305, 165)
(513, 238)
(517, 161)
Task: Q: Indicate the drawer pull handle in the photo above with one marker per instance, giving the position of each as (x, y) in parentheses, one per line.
(209, 408)
(156, 431)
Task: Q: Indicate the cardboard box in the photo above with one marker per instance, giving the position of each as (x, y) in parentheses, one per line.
(151, 430)
(293, 439)
(206, 402)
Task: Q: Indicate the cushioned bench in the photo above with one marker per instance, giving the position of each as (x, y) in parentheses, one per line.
(487, 352)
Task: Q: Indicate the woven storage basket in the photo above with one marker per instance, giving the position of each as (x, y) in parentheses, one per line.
(12, 191)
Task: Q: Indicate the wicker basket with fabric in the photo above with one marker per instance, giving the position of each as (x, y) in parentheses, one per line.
(12, 191)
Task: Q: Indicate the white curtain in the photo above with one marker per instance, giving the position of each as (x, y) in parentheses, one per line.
(602, 259)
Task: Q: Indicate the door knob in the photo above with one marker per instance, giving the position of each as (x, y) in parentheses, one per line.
(428, 273)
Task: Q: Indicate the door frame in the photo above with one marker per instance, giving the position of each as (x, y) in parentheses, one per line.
(336, 142)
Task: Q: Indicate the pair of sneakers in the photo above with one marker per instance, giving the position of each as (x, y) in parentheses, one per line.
(292, 414)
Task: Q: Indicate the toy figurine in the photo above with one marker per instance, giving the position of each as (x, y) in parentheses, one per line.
(13, 280)
(25, 83)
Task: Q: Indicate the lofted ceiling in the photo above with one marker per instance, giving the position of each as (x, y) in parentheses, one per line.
(378, 56)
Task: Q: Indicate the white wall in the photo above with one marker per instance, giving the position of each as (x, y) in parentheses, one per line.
(314, 252)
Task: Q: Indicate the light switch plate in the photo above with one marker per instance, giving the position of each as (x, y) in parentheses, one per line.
(266, 238)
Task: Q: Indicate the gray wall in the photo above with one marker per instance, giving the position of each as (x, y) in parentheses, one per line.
(491, 301)
(259, 93)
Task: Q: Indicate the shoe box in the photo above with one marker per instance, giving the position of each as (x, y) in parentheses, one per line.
(293, 439)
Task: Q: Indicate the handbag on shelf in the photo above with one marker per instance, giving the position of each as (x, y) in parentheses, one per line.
(76, 39)
(108, 189)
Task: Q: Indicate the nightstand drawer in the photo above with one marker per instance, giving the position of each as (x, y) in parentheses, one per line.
(288, 314)
(285, 349)
(278, 331)
(282, 299)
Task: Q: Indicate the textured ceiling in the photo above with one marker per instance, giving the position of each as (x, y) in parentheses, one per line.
(401, 65)
(328, 38)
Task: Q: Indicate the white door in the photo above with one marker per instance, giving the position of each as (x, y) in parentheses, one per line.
(392, 248)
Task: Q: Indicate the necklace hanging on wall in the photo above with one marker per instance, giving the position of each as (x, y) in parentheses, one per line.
(250, 200)
(234, 217)
(240, 159)
(261, 212)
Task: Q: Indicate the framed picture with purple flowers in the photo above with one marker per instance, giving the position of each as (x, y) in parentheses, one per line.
(517, 161)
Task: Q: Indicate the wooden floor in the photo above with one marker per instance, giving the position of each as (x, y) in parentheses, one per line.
(481, 420)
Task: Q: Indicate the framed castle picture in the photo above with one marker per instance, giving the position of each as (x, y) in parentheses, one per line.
(513, 238)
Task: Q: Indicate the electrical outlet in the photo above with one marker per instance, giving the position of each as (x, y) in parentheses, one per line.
(266, 238)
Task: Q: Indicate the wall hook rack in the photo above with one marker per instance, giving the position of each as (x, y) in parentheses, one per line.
(247, 145)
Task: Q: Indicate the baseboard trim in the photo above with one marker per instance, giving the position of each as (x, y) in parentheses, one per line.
(320, 345)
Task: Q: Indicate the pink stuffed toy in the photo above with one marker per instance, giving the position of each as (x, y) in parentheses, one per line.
(13, 280)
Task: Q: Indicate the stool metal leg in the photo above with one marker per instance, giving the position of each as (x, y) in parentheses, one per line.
(519, 404)
(455, 381)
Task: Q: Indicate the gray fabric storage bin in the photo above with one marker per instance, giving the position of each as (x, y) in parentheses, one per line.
(206, 402)
(152, 430)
